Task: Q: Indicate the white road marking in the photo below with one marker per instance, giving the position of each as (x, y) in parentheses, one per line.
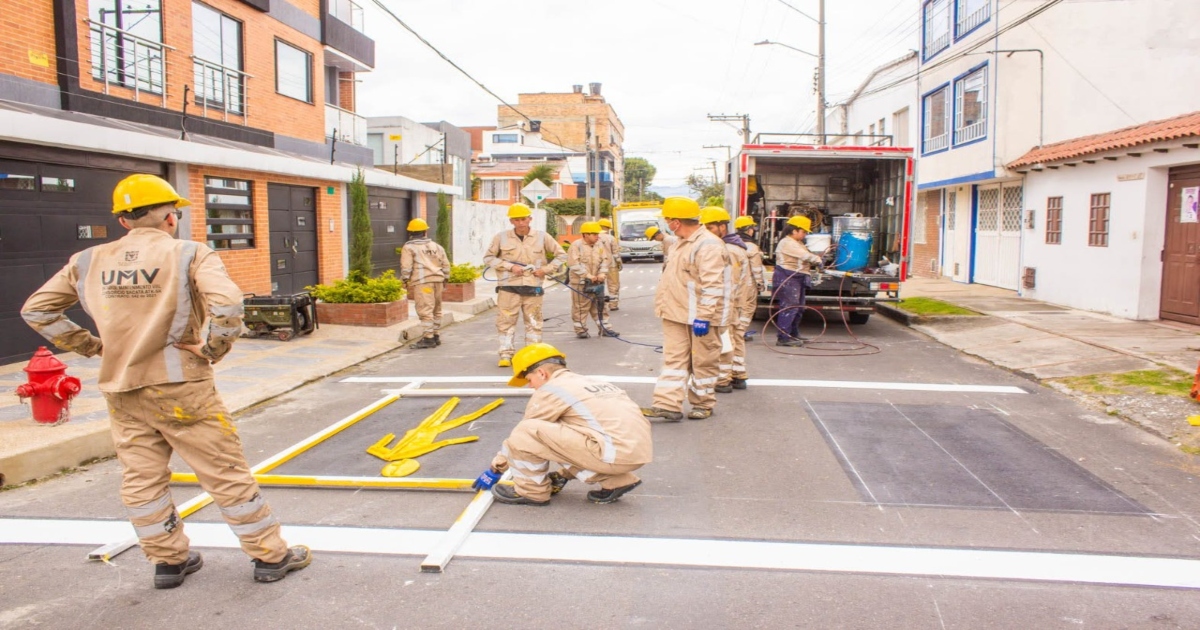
(758, 382)
(735, 554)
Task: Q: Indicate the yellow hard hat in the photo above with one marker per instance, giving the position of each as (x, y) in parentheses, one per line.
(606, 224)
(528, 357)
(713, 214)
(591, 227)
(651, 231)
(680, 208)
(417, 225)
(519, 211)
(743, 222)
(141, 190)
(802, 222)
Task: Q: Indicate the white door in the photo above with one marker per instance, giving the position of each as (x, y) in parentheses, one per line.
(962, 244)
(949, 231)
(998, 236)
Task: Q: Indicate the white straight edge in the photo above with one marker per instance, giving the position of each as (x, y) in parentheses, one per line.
(1081, 568)
(461, 391)
(445, 549)
(759, 382)
(114, 549)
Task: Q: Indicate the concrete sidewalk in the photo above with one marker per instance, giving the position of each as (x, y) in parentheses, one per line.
(257, 370)
(1045, 341)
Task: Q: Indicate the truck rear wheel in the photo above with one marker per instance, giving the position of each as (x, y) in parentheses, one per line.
(858, 318)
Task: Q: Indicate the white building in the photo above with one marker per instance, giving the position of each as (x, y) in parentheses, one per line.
(999, 78)
(397, 142)
(1111, 223)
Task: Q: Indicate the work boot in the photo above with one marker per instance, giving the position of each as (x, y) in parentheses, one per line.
(612, 306)
(504, 362)
(608, 332)
(790, 343)
(727, 388)
(608, 496)
(699, 414)
(437, 340)
(297, 558)
(508, 494)
(748, 335)
(172, 575)
(739, 383)
(665, 414)
(557, 482)
(425, 342)
(582, 334)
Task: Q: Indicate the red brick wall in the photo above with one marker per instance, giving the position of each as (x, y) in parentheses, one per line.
(347, 91)
(28, 28)
(265, 109)
(926, 257)
(251, 268)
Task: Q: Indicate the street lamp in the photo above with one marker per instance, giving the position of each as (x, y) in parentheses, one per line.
(766, 42)
(820, 56)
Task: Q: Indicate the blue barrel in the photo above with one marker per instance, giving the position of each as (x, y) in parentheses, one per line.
(853, 251)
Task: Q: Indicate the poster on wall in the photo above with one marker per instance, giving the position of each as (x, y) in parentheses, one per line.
(1187, 209)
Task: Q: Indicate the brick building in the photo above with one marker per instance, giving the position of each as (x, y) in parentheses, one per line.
(246, 106)
(566, 119)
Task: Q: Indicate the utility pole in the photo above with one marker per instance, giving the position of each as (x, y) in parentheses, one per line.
(821, 71)
(743, 118)
(395, 159)
(587, 190)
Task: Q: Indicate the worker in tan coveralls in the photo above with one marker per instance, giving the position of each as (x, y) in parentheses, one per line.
(588, 427)
(150, 296)
(691, 304)
(588, 262)
(743, 298)
(667, 241)
(522, 257)
(424, 268)
(745, 227)
(609, 239)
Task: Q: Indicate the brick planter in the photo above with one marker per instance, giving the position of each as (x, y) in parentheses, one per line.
(384, 314)
(458, 292)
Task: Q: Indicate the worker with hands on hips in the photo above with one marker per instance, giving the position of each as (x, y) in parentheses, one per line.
(522, 257)
(608, 239)
(588, 427)
(691, 303)
(793, 263)
(588, 262)
(152, 298)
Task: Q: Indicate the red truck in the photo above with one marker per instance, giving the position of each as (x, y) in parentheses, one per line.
(862, 191)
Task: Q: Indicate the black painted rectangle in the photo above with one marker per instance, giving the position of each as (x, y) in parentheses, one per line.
(941, 456)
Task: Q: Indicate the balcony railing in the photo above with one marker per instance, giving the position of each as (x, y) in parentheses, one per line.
(975, 18)
(348, 12)
(221, 88)
(937, 143)
(345, 125)
(126, 60)
(970, 132)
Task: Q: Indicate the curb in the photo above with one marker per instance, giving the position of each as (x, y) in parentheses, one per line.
(911, 319)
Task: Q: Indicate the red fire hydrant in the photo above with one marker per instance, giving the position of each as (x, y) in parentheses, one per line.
(49, 389)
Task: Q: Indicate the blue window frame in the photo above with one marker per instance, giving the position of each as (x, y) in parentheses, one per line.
(970, 15)
(935, 27)
(971, 106)
(505, 138)
(935, 120)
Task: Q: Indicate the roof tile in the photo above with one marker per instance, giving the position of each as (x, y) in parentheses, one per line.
(1185, 126)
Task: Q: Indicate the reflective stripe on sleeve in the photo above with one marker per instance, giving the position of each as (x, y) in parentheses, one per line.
(610, 453)
(82, 264)
(172, 356)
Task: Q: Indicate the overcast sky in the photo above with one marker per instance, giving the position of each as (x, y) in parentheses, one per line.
(663, 64)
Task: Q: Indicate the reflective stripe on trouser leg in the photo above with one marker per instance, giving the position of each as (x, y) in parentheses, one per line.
(677, 364)
(208, 442)
(536, 441)
(581, 308)
(144, 454)
(738, 336)
(508, 309)
(613, 282)
(427, 300)
(531, 306)
(706, 354)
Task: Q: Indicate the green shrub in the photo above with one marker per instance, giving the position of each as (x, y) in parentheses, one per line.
(358, 288)
(463, 273)
(575, 207)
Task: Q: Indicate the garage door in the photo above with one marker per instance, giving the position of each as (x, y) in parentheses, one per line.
(391, 211)
(998, 236)
(47, 213)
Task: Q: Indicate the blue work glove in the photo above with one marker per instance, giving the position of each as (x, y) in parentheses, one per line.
(486, 480)
(699, 327)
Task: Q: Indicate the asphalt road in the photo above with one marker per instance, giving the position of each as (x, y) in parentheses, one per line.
(839, 501)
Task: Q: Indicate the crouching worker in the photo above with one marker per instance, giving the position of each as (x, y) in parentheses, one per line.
(590, 428)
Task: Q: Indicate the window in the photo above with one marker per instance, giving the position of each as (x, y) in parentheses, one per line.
(15, 181)
(228, 213)
(951, 209)
(935, 112)
(970, 14)
(937, 27)
(1054, 221)
(217, 59)
(293, 72)
(126, 43)
(375, 143)
(882, 132)
(1098, 223)
(58, 184)
(900, 128)
(970, 106)
(333, 92)
(494, 189)
(506, 138)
